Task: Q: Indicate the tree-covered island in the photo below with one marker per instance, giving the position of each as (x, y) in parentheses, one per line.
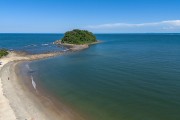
(78, 37)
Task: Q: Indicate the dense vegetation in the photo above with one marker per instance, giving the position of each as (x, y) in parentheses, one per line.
(3, 52)
(78, 37)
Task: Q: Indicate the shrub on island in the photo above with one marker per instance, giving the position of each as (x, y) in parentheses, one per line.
(3, 52)
(79, 37)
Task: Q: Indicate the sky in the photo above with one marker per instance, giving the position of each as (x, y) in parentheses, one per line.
(98, 16)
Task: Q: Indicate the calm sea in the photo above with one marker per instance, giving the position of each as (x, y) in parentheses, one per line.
(127, 77)
(30, 43)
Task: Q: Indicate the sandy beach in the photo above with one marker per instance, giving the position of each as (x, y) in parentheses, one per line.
(20, 103)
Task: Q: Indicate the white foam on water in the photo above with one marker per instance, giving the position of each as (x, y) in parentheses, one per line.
(45, 44)
(33, 45)
(30, 45)
(33, 83)
(65, 50)
(27, 66)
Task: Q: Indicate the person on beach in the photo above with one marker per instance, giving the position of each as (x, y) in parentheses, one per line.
(8, 78)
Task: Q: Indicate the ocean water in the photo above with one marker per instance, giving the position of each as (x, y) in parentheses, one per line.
(126, 77)
(30, 43)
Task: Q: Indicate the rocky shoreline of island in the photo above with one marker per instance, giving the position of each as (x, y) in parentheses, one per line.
(75, 47)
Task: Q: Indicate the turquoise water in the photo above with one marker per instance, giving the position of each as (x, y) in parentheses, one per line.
(127, 77)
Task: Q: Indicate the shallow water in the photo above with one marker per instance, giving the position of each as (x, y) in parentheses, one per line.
(127, 77)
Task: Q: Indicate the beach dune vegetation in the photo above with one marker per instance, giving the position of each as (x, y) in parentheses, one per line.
(3, 52)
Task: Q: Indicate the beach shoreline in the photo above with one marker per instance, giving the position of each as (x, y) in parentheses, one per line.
(10, 110)
(44, 96)
(25, 102)
(20, 103)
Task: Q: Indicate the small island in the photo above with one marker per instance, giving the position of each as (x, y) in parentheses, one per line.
(77, 39)
(3, 52)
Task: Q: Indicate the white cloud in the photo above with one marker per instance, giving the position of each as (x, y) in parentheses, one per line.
(175, 23)
(164, 25)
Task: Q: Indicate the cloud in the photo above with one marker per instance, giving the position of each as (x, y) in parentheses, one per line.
(164, 25)
(175, 23)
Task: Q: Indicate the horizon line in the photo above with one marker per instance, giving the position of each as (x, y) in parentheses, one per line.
(93, 33)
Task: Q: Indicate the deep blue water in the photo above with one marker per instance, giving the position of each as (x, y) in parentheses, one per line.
(127, 77)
